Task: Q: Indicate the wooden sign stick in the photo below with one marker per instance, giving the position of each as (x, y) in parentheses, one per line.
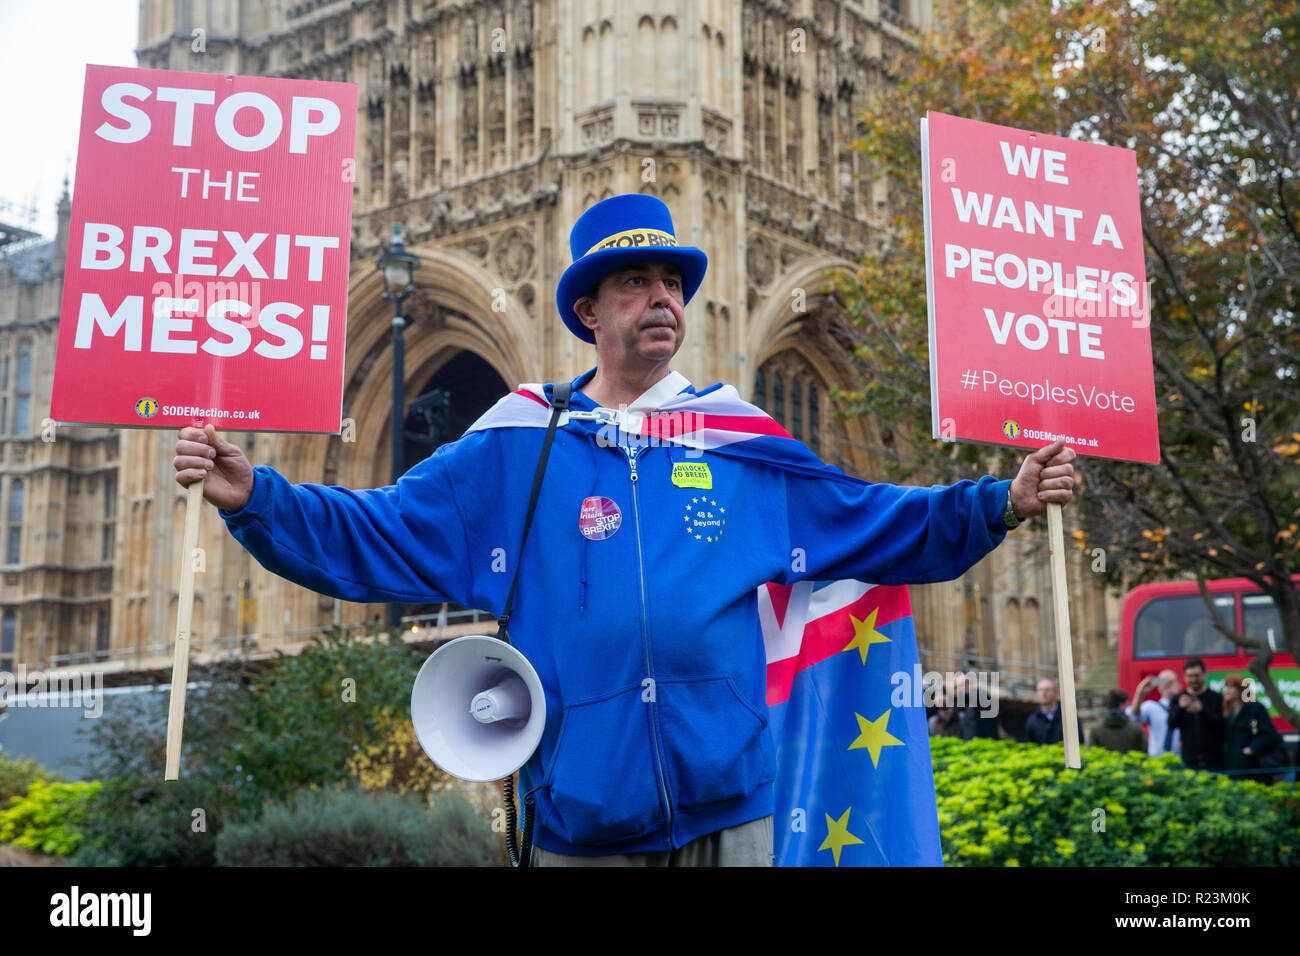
(1064, 649)
(184, 612)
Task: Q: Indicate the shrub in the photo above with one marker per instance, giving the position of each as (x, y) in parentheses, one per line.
(46, 819)
(17, 775)
(1011, 804)
(354, 828)
(258, 735)
(394, 761)
(137, 821)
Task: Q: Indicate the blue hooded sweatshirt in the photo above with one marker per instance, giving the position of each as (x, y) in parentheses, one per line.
(644, 630)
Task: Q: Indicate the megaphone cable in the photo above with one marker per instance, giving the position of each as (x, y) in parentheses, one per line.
(519, 855)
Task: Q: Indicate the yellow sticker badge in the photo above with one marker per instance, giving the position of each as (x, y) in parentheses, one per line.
(693, 474)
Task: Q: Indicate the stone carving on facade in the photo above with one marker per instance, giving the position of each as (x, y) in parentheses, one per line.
(514, 257)
(469, 52)
(398, 183)
(758, 262)
(469, 121)
(597, 126)
(427, 137)
(496, 118)
(426, 60)
(773, 41)
(523, 37)
(375, 78)
(524, 104)
(475, 248)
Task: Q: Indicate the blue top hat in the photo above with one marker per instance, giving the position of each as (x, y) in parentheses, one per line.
(614, 233)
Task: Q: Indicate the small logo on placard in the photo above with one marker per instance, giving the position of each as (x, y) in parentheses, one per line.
(692, 474)
(599, 518)
(1011, 428)
(704, 519)
(147, 407)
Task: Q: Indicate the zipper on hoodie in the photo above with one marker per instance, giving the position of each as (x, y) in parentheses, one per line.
(645, 636)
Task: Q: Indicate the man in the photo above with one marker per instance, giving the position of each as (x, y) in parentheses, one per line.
(1044, 725)
(1161, 738)
(637, 589)
(1115, 731)
(1198, 715)
(945, 722)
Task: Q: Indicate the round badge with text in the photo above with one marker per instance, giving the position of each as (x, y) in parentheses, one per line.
(599, 518)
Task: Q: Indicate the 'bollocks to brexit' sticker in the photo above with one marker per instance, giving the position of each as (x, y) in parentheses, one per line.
(599, 518)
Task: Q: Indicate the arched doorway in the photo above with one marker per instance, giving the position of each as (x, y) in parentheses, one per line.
(463, 388)
(452, 399)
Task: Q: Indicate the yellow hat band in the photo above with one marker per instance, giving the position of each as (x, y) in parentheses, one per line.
(633, 238)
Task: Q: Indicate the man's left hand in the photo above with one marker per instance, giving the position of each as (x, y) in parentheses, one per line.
(1046, 476)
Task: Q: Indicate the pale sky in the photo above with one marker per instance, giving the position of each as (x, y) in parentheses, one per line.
(45, 46)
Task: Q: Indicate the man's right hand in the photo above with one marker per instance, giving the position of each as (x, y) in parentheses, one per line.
(201, 455)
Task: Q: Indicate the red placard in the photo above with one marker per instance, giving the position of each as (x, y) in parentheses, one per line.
(207, 268)
(1036, 282)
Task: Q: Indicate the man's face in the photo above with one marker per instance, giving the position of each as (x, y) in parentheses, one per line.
(1171, 685)
(1046, 694)
(638, 315)
(1195, 679)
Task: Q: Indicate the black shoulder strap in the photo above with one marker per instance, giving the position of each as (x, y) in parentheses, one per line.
(559, 403)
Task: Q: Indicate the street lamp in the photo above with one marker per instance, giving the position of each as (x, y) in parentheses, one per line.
(397, 266)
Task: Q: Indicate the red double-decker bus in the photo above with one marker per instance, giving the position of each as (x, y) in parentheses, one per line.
(1163, 625)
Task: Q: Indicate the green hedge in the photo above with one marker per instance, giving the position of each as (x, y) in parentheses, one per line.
(1011, 804)
(138, 821)
(356, 828)
(47, 819)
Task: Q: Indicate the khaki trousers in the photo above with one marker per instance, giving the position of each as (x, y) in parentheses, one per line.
(749, 844)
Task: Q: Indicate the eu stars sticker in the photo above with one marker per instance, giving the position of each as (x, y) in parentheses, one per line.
(704, 519)
(599, 518)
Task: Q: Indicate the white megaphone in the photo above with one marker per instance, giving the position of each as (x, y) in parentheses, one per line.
(478, 708)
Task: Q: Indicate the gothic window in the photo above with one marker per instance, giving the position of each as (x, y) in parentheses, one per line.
(427, 137)
(8, 632)
(814, 418)
(796, 410)
(789, 389)
(469, 122)
(524, 103)
(771, 146)
(14, 546)
(793, 133)
(23, 391)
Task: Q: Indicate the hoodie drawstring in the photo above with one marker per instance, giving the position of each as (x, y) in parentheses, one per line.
(586, 542)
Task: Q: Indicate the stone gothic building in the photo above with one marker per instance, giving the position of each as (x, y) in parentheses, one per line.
(486, 127)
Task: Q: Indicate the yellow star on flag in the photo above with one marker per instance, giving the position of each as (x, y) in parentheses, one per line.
(838, 835)
(875, 736)
(865, 634)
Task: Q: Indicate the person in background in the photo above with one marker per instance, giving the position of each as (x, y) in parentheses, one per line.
(1115, 731)
(972, 718)
(946, 722)
(1044, 725)
(1161, 738)
(1249, 733)
(1198, 714)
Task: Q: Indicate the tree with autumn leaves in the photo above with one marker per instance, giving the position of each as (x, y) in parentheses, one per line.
(1208, 95)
